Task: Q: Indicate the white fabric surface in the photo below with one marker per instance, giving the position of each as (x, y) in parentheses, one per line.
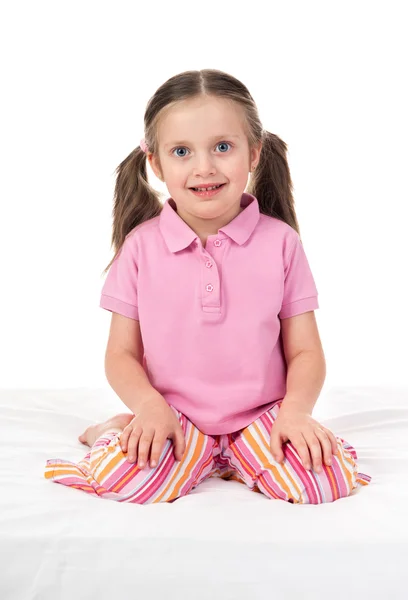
(222, 540)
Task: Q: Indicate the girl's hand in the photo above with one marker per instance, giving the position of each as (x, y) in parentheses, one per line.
(148, 431)
(305, 434)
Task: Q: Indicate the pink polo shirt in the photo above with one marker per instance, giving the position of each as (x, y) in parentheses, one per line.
(210, 317)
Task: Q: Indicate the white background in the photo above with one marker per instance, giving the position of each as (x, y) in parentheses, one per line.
(328, 78)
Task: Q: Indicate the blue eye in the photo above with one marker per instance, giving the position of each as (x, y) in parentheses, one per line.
(184, 147)
(227, 143)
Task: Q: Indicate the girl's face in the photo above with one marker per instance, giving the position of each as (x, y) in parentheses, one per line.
(202, 141)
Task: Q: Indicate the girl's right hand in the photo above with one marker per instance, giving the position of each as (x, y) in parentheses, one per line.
(152, 425)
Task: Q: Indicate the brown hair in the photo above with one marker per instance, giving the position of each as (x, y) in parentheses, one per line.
(135, 201)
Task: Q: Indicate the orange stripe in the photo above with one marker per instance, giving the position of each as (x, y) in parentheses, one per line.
(345, 470)
(274, 469)
(362, 481)
(204, 465)
(61, 471)
(193, 461)
(125, 478)
(110, 465)
(58, 464)
(248, 468)
(289, 476)
(266, 485)
(83, 487)
(243, 462)
(332, 480)
(122, 482)
(285, 468)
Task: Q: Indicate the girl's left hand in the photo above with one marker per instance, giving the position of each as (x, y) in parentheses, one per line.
(305, 434)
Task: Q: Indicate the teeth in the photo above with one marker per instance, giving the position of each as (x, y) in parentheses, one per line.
(207, 189)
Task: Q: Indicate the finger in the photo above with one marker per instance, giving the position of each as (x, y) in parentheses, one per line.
(144, 447)
(333, 440)
(133, 443)
(125, 437)
(157, 445)
(127, 432)
(325, 444)
(276, 446)
(315, 449)
(179, 444)
(303, 450)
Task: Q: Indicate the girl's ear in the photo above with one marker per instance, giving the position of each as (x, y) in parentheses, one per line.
(154, 165)
(255, 154)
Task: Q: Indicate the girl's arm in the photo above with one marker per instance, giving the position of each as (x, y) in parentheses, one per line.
(306, 364)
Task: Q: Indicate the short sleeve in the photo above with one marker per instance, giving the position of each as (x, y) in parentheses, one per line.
(300, 292)
(119, 292)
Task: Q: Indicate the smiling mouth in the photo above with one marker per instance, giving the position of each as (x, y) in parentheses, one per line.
(207, 189)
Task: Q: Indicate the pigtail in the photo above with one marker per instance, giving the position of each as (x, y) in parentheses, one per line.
(271, 182)
(135, 200)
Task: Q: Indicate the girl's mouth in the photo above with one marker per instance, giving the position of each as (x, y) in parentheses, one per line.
(207, 193)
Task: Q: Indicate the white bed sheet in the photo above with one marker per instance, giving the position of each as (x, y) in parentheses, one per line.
(220, 541)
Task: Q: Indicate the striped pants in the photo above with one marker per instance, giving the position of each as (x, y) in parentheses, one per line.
(242, 456)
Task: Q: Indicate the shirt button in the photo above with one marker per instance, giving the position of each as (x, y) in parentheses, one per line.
(217, 242)
(208, 264)
(209, 287)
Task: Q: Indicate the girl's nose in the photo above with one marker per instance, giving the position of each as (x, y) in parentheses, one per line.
(204, 166)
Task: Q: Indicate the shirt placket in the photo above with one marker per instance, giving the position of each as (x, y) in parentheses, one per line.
(210, 274)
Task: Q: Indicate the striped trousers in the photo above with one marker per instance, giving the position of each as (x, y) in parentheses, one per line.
(242, 456)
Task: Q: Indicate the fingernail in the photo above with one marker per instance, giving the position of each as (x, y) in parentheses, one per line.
(152, 463)
(141, 465)
(328, 462)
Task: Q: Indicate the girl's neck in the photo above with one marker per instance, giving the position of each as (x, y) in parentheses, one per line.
(203, 235)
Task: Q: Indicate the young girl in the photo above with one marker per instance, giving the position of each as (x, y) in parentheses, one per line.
(213, 344)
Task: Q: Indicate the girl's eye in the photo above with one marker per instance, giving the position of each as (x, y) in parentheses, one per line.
(184, 147)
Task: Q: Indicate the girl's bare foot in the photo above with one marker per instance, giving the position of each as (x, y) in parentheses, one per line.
(93, 432)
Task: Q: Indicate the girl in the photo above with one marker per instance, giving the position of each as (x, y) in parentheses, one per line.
(213, 344)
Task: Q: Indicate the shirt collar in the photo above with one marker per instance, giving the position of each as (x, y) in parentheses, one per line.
(178, 235)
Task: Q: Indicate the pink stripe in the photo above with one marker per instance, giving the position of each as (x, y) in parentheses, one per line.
(303, 474)
(161, 474)
(154, 483)
(113, 479)
(331, 491)
(104, 440)
(340, 477)
(202, 473)
(70, 481)
(56, 463)
(244, 450)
